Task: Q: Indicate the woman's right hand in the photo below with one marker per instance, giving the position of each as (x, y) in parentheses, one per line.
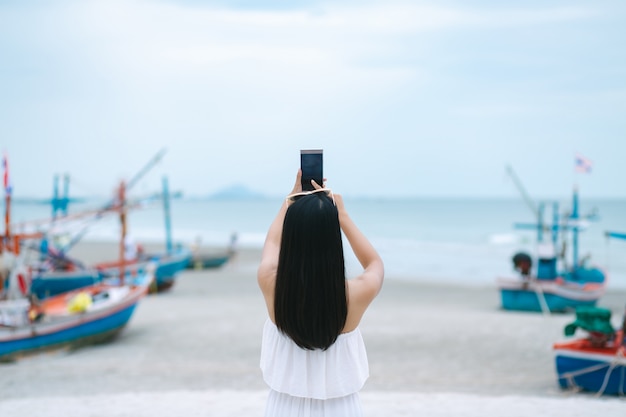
(341, 209)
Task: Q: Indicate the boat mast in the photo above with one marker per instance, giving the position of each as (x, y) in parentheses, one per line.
(6, 239)
(575, 217)
(55, 196)
(616, 235)
(66, 193)
(60, 203)
(122, 209)
(168, 222)
(522, 191)
(555, 224)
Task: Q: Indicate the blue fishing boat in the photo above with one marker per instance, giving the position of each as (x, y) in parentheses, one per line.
(50, 283)
(168, 266)
(597, 362)
(543, 287)
(93, 314)
(207, 261)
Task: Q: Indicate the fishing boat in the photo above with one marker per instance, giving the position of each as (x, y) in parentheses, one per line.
(550, 285)
(90, 315)
(52, 281)
(167, 267)
(207, 261)
(597, 362)
(49, 283)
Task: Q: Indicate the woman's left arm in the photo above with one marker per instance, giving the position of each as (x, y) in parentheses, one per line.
(271, 248)
(266, 273)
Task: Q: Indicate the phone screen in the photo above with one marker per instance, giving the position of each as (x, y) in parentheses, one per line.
(311, 163)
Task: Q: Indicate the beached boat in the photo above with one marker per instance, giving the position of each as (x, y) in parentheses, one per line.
(596, 363)
(544, 287)
(167, 267)
(207, 261)
(46, 283)
(556, 295)
(90, 315)
(170, 264)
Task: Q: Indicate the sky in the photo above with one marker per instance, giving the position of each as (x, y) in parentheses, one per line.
(407, 98)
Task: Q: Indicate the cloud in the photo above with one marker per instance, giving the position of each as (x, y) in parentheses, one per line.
(373, 82)
(166, 37)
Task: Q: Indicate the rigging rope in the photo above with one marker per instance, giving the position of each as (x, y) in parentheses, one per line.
(542, 299)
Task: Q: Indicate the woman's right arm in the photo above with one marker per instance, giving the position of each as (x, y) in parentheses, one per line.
(370, 281)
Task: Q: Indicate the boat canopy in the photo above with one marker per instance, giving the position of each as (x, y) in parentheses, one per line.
(591, 319)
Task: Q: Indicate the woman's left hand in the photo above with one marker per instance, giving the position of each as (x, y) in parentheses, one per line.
(297, 187)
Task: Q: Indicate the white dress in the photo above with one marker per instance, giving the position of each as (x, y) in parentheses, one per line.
(313, 383)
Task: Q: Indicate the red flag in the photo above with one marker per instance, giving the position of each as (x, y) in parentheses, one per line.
(5, 165)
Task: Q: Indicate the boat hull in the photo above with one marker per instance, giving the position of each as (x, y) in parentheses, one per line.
(599, 370)
(524, 300)
(49, 284)
(166, 269)
(69, 330)
(552, 295)
(207, 261)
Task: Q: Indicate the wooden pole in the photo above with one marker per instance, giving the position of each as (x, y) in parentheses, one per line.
(168, 223)
(122, 208)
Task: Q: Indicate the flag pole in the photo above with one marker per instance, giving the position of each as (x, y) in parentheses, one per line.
(6, 239)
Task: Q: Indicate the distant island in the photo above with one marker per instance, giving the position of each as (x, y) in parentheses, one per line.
(236, 192)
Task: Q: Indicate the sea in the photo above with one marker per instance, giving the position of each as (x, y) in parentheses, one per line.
(444, 240)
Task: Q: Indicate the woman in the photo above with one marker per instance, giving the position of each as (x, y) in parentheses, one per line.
(312, 355)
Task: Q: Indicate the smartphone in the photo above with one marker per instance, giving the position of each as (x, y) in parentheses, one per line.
(311, 163)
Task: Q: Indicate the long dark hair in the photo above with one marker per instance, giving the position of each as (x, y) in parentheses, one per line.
(310, 303)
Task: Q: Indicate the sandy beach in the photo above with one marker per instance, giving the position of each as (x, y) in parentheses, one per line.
(435, 350)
